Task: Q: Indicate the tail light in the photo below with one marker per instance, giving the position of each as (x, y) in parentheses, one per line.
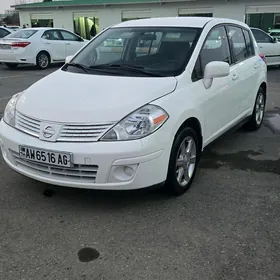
(20, 44)
(263, 57)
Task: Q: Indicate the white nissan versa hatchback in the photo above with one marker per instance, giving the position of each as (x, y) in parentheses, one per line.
(131, 115)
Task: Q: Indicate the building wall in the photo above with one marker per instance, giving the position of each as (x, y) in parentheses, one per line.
(63, 17)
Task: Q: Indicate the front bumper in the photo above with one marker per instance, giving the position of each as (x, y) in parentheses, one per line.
(105, 164)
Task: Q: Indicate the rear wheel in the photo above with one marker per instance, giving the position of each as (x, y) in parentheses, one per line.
(43, 60)
(256, 119)
(11, 65)
(183, 162)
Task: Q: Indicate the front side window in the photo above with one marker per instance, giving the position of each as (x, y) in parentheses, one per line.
(67, 36)
(261, 37)
(215, 48)
(22, 34)
(162, 51)
(238, 43)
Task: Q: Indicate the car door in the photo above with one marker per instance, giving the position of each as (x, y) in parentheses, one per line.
(218, 103)
(268, 46)
(245, 65)
(54, 44)
(73, 42)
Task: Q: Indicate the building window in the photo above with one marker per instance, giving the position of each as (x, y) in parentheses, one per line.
(41, 22)
(86, 26)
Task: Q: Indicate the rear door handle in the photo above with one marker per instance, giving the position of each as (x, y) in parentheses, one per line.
(234, 77)
(47, 43)
(68, 44)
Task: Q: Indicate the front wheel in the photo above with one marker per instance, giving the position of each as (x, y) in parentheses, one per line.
(257, 117)
(183, 162)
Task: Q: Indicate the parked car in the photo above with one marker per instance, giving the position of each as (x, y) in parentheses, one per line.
(275, 31)
(39, 46)
(4, 31)
(269, 46)
(128, 121)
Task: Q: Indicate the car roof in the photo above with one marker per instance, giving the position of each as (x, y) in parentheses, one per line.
(198, 22)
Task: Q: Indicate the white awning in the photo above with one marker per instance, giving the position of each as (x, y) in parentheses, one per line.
(86, 14)
(41, 16)
(262, 9)
(137, 14)
(187, 11)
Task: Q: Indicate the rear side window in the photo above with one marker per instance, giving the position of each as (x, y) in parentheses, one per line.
(249, 43)
(23, 34)
(238, 43)
(3, 33)
(52, 35)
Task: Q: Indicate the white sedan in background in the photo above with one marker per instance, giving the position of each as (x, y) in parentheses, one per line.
(268, 46)
(39, 46)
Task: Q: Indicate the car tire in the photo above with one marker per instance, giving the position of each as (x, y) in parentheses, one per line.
(12, 65)
(43, 60)
(184, 158)
(257, 117)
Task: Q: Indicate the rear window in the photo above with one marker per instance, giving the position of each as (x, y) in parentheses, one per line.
(22, 34)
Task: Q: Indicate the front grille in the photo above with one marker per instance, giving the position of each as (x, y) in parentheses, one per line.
(68, 132)
(82, 133)
(77, 173)
(27, 125)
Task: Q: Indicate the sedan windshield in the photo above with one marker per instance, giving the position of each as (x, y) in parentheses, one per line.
(137, 51)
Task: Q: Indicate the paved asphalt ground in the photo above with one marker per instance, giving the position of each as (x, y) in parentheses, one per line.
(226, 226)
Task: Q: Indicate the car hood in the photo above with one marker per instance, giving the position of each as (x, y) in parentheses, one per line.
(78, 98)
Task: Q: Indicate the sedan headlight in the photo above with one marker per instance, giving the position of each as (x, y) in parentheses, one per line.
(138, 124)
(10, 111)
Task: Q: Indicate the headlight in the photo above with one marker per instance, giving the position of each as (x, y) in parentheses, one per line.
(138, 124)
(9, 114)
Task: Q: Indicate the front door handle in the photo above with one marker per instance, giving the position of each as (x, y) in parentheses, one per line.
(234, 77)
(68, 44)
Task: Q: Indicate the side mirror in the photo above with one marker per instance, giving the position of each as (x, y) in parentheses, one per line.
(215, 69)
(275, 40)
(68, 58)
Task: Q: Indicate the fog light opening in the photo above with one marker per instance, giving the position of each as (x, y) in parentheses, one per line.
(122, 173)
(128, 171)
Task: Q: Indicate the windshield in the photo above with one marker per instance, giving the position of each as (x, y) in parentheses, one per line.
(22, 34)
(164, 51)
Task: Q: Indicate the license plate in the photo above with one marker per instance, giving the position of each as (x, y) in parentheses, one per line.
(5, 47)
(45, 156)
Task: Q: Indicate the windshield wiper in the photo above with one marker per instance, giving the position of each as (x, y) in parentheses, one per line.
(80, 66)
(126, 67)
